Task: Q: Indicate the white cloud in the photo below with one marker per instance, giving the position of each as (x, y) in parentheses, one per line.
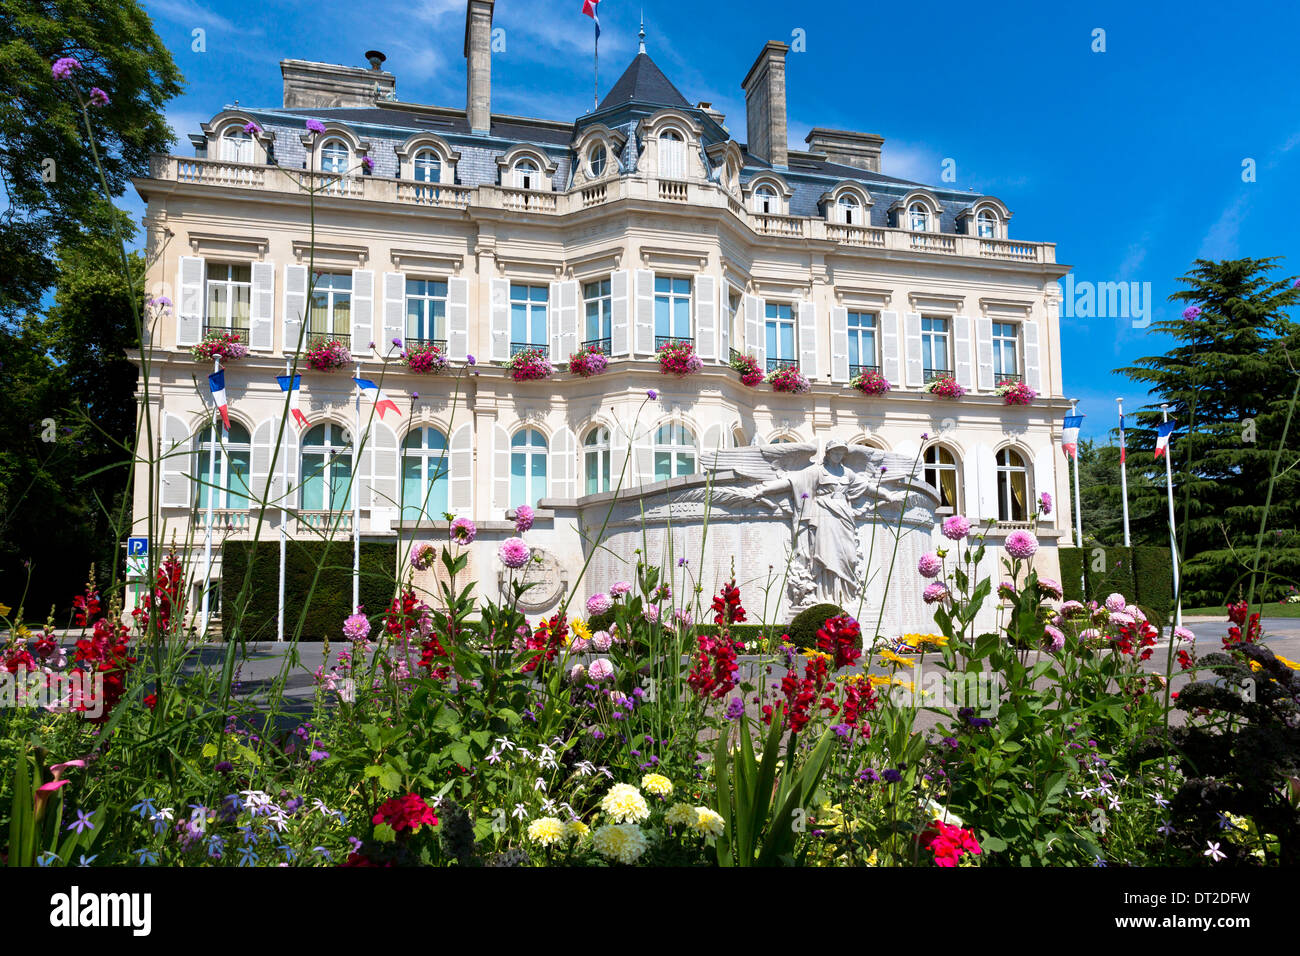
(1220, 241)
(190, 14)
(906, 161)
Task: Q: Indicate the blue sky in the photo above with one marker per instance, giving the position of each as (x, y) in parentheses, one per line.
(1130, 159)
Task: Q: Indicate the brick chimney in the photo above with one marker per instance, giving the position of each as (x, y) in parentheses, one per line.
(764, 87)
(478, 65)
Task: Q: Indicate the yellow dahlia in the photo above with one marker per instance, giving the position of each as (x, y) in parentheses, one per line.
(708, 822)
(625, 804)
(657, 784)
(577, 830)
(547, 831)
(623, 842)
(680, 815)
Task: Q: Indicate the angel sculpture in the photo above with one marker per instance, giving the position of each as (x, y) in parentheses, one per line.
(821, 495)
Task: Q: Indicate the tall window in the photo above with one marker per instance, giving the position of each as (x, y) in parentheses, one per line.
(527, 316)
(941, 472)
(596, 462)
(780, 335)
(426, 168)
(334, 157)
(236, 146)
(230, 289)
(674, 452)
(862, 342)
(919, 217)
(1005, 337)
(526, 175)
(765, 200)
(672, 310)
(326, 469)
(986, 224)
(934, 346)
(729, 333)
(850, 210)
(426, 311)
(331, 307)
(527, 467)
(230, 480)
(672, 155)
(424, 475)
(596, 301)
(1013, 486)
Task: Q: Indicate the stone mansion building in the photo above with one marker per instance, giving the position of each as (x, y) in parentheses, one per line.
(646, 221)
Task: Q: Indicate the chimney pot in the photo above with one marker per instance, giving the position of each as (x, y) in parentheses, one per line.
(376, 59)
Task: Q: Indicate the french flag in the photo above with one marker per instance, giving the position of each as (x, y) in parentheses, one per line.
(589, 8)
(217, 382)
(375, 394)
(293, 384)
(1162, 437)
(1070, 434)
(1121, 438)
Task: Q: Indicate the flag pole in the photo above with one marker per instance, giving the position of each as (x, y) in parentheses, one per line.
(1123, 471)
(357, 445)
(595, 63)
(1078, 511)
(1173, 534)
(207, 534)
(284, 518)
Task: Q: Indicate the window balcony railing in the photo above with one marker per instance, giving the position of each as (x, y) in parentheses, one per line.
(778, 363)
(605, 344)
(326, 521)
(240, 330)
(517, 347)
(856, 370)
(662, 340)
(1001, 378)
(223, 519)
(734, 356)
(934, 374)
(324, 338)
(415, 342)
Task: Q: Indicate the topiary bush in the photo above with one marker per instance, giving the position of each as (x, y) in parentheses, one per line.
(1153, 582)
(803, 629)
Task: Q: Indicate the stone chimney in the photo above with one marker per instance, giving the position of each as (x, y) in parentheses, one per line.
(764, 87)
(861, 150)
(310, 85)
(478, 65)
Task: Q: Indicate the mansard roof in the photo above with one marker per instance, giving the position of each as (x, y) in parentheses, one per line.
(643, 82)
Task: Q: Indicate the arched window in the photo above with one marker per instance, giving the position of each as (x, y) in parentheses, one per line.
(738, 438)
(227, 475)
(1013, 486)
(986, 224)
(424, 475)
(527, 467)
(783, 440)
(426, 167)
(326, 469)
(526, 175)
(596, 464)
(674, 452)
(596, 160)
(850, 210)
(672, 155)
(919, 217)
(334, 156)
(941, 473)
(236, 146)
(765, 200)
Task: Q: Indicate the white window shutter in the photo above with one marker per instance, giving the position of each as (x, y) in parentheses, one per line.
(263, 443)
(808, 339)
(985, 461)
(500, 471)
(500, 320)
(984, 351)
(643, 451)
(461, 471)
(382, 487)
(177, 461)
(457, 318)
(725, 318)
(706, 306)
(555, 322)
(622, 471)
(295, 306)
(840, 344)
(189, 313)
(363, 313)
(755, 342)
(970, 480)
(286, 464)
(1043, 469)
(912, 348)
(563, 464)
(1033, 375)
(394, 307)
(962, 347)
(570, 318)
(645, 312)
(261, 315)
(891, 365)
(620, 343)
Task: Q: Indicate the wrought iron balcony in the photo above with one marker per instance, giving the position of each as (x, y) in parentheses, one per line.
(240, 330)
(662, 340)
(324, 338)
(778, 363)
(856, 370)
(412, 342)
(933, 374)
(517, 347)
(605, 345)
(1000, 378)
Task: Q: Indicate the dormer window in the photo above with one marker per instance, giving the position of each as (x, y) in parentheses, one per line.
(849, 210)
(596, 160)
(765, 200)
(672, 155)
(918, 217)
(236, 146)
(526, 176)
(986, 224)
(334, 157)
(427, 167)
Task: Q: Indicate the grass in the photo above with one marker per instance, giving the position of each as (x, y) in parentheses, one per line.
(1272, 609)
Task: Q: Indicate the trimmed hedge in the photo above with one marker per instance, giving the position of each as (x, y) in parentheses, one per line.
(1143, 575)
(331, 601)
(803, 629)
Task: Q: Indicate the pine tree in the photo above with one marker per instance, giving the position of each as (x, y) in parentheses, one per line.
(1228, 383)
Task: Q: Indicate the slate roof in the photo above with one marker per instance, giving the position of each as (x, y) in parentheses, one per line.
(643, 82)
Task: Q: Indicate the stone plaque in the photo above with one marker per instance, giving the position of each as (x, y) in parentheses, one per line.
(547, 577)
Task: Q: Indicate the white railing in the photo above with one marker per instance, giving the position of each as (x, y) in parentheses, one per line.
(326, 521)
(932, 242)
(223, 519)
(211, 173)
(1006, 249)
(767, 224)
(433, 194)
(855, 235)
(673, 190)
(594, 195)
(332, 184)
(528, 200)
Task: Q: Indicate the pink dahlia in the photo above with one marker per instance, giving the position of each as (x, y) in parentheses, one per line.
(1050, 589)
(463, 531)
(600, 670)
(619, 588)
(1021, 544)
(513, 553)
(1116, 602)
(1054, 638)
(935, 592)
(356, 628)
(956, 527)
(929, 565)
(1183, 634)
(1045, 503)
(1072, 608)
(523, 518)
(601, 641)
(599, 603)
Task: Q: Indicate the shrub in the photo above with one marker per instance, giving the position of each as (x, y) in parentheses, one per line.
(803, 629)
(1153, 582)
(1072, 562)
